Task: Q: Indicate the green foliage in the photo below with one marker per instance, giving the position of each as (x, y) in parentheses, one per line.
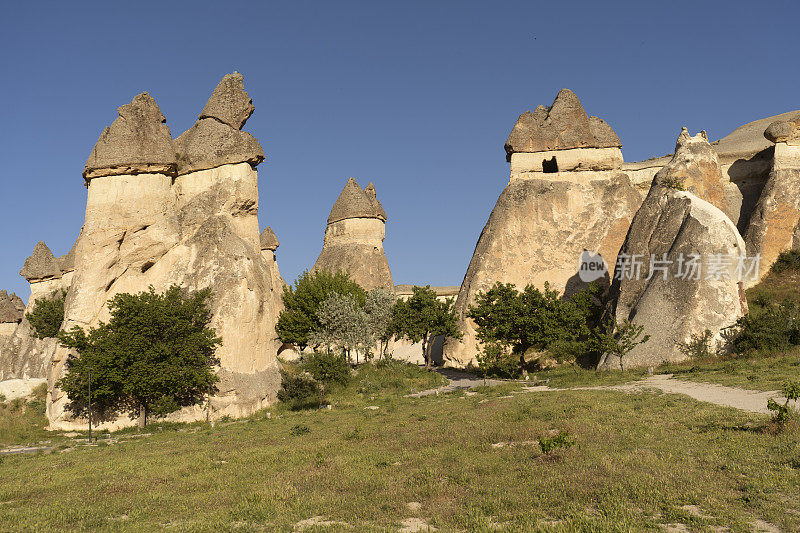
(378, 306)
(562, 440)
(297, 387)
(47, 315)
(154, 356)
(618, 340)
(299, 429)
(512, 322)
(422, 317)
(299, 318)
(698, 346)
(776, 327)
(791, 391)
(672, 183)
(343, 325)
(787, 260)
(497, 360)
(327, 368)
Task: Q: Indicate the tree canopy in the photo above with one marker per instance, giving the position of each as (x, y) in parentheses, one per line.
(422, 317)
(155, 355)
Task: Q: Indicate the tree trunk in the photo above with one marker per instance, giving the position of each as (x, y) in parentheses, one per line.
(142, 416)
(425, 353)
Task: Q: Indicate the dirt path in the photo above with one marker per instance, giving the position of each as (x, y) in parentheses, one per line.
(457, 380)
(742, 399)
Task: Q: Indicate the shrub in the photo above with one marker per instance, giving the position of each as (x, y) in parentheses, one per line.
(673, 183)
(787, 260)
(155, 355)
(497, 361)
(777, 327)
(297, 387)
(562, 440)
(698, 346)
(617, 340)
(47, 315)
(300, 429)
(791, 390)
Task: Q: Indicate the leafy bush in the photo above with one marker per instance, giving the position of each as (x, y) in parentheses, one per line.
(299, 429)
(617, 340)
(297, 387)
(47, 315)
(777, 327)
(497, 360)
(562, 440)
(154, 356)
(698, 346)
(791, 390)
(301, 303)
(328, 368)
(673, 183)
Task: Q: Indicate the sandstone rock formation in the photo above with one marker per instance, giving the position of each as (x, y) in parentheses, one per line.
(12, 311)
(772, 225)
(354, 238)
(187, 219)
(566, 195)
(695, 252)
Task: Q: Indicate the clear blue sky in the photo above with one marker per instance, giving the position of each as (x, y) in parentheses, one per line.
(418, 97)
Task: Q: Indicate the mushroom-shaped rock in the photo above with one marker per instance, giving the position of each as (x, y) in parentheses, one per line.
(67, 262)
(137, 142)
(229, 103)
(376, 204)
(353, 202)
(784, 131)
(269, 241)
(562, 126)
(41, 264)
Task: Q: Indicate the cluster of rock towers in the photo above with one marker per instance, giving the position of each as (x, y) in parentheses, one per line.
(163, 211)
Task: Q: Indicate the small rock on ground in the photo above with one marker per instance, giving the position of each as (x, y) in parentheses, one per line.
(413, 525)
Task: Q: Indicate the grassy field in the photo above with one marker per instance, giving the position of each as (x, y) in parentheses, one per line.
(459, 461)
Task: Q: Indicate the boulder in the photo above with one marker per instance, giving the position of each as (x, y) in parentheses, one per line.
(210, 144)
(563, 125)
(229, 103)
(12, 310)
(268, 239)
(784, 131)
(138, 141)
(678, 271)
(41, 264)
(354, 238)
(771, 229)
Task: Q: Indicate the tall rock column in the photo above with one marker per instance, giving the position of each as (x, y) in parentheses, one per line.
(354, 238)
(566, 195)
(679, 269)
(772, 225)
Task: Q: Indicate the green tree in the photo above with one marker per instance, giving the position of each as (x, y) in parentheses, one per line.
(617, 340)
(378, 307)
(791, 391)
(47, 315)
(511, 322)
(299, 317)
(422, 317)
(343, 325)
(154, 356)
(327, 369)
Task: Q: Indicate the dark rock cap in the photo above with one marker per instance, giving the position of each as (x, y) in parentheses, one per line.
(784, 131)
(210, 144)
(137, 142)
(229, 103)
(269, 241)
(353, 202)
(561, 126)
(67, 262)
(41, 265)
(376, 204)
